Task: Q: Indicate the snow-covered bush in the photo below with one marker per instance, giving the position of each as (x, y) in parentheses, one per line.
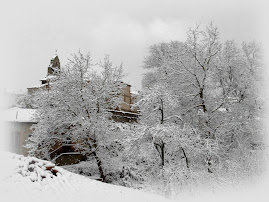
(36, 169)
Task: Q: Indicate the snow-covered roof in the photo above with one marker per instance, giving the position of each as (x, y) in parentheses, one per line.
(54, 56)
(17, 114)
(38, 86)
(48, 77)
(135, 92)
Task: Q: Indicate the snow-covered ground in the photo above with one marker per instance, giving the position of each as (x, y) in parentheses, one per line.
(66, 186)
(26, 179)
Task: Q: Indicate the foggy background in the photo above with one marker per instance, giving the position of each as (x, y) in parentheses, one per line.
(32, 31)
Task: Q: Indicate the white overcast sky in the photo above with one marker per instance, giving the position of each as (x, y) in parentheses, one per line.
(31, 31)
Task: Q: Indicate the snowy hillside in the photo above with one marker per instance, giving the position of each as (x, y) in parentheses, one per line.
(26, 179)
(18, 182)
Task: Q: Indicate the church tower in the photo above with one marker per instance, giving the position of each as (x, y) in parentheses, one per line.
(53, 71)
(54, 66)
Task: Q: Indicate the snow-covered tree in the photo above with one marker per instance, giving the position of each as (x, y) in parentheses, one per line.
(77, 109)
(207, 84)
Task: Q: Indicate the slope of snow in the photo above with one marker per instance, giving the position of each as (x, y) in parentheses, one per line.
(66, 186)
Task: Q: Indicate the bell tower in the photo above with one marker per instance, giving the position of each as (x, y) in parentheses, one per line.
(54, 65)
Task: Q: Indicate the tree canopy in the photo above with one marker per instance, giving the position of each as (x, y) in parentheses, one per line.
(76, 108)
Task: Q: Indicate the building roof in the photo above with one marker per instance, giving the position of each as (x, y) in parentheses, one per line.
(48, 77)
(17, 114)
(38, 86)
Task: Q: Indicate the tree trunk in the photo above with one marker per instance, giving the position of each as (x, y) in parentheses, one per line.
(98, 160)
(161, 109)
(162, 148)
(159, 145)
(186, 159)
(208, 161)
(100, 167)
(201, 93)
